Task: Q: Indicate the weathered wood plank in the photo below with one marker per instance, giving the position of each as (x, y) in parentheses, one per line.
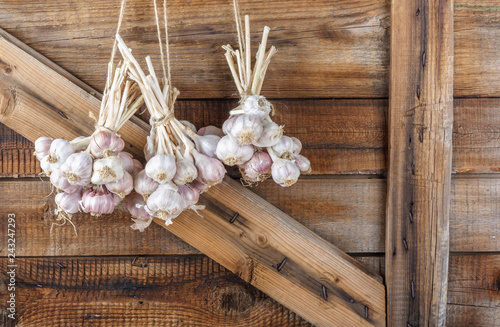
(339, 136)
(346, 212)
(326, 49)
(420, 124)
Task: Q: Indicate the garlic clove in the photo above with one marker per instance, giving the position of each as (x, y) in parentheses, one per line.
(210, 170)
(303, 164)
(271, 134)
(97, 201)
(78, 168)
(42, 147)
(210, 130)
(246, 129)
(207, 144)
(231, 154)
(297, 145)
(144, 185)
(107, 170)
(60, 182)
(69, 202)
(256, 105)
(186, 172)
(285, 172)
(161, 168)
(105, 143)
(284, 148)
(123, 186)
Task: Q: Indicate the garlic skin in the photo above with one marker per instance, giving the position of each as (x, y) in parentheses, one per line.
(233, 154)
(149, 148)
(59, 151)
(189, 195)
(136, 206)
(297, 145)
(104, 144)
(285, 172)
(228, 124)
(256, 105)
(210, 130)
(186, 172)
(165, 203)
(161, 168)
(107, 170)
(210, 171)
(69, 202)
(61, 183)
(284, 148)
(207, 144)
(137, 167)
(258, 167)
(97, 201)
(78, 168)
(271, 134)
(127, 161)
(189, 125)
(123, 186)
(246, 129)
(42, 147)
(303, 164)
(144, 185)
(198, 186)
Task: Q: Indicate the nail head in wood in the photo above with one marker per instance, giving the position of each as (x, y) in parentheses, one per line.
(282, 264)
(366, 312)
(405, 244)
(234, 217)
(325, 292)
(412, 289)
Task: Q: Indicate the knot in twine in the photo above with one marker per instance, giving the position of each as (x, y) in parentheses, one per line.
(161, 121)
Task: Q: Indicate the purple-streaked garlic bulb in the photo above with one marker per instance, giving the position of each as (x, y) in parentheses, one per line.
(258, 168)
(60, 182)
(284, 148)
(206, 144)
(123, 186)
(165, 203)
(297, 145)
(303, 163)
(210, 170)
(271, 134)
(189, 195)
(59, 151)
(105, 143)
(127, 161)
(107, 170)
(230, 153)
(42, 147)
(97, 201)
(69, 202)
(246, 129)
(144, 185)
(137, 208)
(186, 172)
(137, 167)
(161, 168)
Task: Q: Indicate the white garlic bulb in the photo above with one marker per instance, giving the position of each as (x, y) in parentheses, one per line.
(59, 151)
(210, 130)
(256, 105)
(297, 145)
(165, 203)
(206, 144)
(123, 186)
(144, 185)
(105, 143)
(161, 168)
(284, 172)
(246, 129)
(60, 182)
(231, 153)
(78, 168)
(303, 163)
(69, 202)
(210, 170)
(107, 170)
(271, 134)
(97, 201)
(42, 147)
(228, 124)
(186, 172)
(284, 148)
(258, 167)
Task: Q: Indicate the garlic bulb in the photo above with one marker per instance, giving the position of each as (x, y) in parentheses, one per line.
(144, 185)
(297, 145)
(258, 167)
(97, 201)
(137, 167)
(127, 161)
(189, 125)
(136, 206)
(42, 147)
(69, 202)
(284, 172)
(210, 170)
(107, 170)
(185, 173)
(256, 105)
(104, 144)
(246, 129)
(59, 151)
(198, 186)
(231, 153)
(271, 134)
(206, 144)
(189, 195)
(161, 168)
(228, 124)
(61, 183)
(165, 203)
(303, 163)
(78, 168)
(123, 186)
(210, 130)
(284, 148)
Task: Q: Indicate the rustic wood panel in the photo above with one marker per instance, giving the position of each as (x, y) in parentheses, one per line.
(346, 212)
(339, 136)
(420, 124)
(196, 291)
(326, 49)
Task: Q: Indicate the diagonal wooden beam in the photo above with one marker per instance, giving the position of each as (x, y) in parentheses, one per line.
(240, 230)
(420, 155)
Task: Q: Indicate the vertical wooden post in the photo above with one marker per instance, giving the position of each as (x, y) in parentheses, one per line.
(420, 154)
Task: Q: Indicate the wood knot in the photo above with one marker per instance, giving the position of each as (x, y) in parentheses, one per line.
(261, 240)
(229, 295)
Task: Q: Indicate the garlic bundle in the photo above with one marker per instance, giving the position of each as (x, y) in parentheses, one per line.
(91, 174)
(178, 159)
(252, 141)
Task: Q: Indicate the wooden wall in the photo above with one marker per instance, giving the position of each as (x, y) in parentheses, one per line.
(329, 82)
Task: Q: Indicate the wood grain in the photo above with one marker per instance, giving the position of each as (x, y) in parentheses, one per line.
(420, 162)
(326, 49)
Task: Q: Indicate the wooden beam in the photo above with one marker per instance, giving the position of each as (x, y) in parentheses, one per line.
(319, 282)
(420, 157)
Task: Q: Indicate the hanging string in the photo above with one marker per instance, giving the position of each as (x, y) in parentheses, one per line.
(159, 40)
